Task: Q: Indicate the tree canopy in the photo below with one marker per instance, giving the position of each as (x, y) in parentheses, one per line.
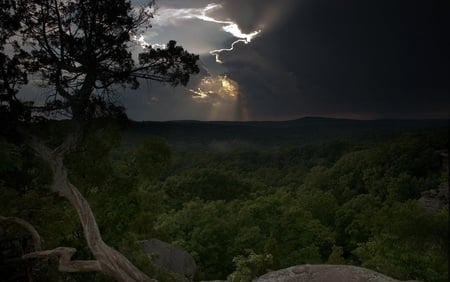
(80, 51)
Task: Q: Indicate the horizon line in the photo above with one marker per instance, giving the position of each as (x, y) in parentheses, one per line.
(300, 118)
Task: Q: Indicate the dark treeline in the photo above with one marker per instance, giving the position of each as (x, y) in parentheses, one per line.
(201, 135)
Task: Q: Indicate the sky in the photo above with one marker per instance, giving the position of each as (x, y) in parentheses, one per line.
(287, 59)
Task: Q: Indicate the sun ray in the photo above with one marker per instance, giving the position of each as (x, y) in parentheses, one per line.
(220, 95)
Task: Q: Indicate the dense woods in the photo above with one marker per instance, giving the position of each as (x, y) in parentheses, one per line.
(80, 53)
(78, 193)
(243, 211)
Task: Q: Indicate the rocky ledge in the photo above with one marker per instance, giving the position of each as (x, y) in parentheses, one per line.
(325, 273)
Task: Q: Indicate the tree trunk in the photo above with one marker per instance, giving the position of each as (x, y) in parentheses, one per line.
(110, 261)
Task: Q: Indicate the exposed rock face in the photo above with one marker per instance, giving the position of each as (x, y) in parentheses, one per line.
(443, 156)
(324, 273)
(170, 257)
(434, 199)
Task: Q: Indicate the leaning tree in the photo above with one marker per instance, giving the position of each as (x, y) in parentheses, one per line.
(79, 52)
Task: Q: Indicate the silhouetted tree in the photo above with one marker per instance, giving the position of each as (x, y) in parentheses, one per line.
(79, 51)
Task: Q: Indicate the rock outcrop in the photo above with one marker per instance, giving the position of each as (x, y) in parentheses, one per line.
(434, 199)
(170, 257)
(443, 157)
(325, 273)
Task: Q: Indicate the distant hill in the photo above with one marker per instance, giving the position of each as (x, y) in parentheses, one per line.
(222, 134)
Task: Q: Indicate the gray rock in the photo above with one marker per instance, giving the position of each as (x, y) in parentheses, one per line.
(324, 273)
(443, 157)
(433, 199)
(170, 257)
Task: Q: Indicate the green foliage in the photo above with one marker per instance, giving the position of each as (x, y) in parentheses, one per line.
(20, 169)
(125, 210)
(90, 165)
(205, 184)
(411, 243)
(147, 160)
(250, 267)
(322, 205)
(243, 212)
(202, 229)
(216, 232)
(305, 240)
(9, 157)
(336, 256)
(354, 220)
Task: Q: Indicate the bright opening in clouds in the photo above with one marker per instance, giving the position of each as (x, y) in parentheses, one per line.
(219, 85)
(210, 31)
(221, 93)
(165, 16)
(273, 60)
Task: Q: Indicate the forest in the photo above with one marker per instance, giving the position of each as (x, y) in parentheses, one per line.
(81, 186)
(243, 211)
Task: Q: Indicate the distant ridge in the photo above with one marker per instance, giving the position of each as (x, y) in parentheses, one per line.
(302, 119)
(201, 134)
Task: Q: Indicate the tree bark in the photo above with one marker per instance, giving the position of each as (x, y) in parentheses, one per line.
(26, 225)
(65, 264)
(108, 261)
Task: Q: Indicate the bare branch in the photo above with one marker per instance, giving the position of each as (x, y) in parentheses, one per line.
(26, 225)
(109, 261)
(65, 264)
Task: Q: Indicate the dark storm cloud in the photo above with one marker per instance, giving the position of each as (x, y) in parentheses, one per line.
(157, 101)
(267, 89)
(354, 58)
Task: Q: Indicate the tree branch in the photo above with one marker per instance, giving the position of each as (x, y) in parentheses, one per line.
(109, 261)
(65, 264)
(26, 225)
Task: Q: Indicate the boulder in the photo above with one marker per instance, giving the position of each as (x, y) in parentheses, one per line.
(432, 200)
(170, 257)
(324, 273)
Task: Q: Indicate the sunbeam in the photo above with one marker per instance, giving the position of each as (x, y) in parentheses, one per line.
(221, 94)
